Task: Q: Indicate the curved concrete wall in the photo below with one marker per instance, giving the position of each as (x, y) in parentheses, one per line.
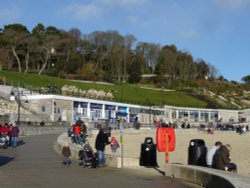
(206, 177)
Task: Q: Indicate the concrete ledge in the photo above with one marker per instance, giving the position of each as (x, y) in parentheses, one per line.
(60, 142)
(114, 162)
(206, 177)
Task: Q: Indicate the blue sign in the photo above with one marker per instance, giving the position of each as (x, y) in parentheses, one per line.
(109, 107)
(82, 104)
(76, 104)
(95, 106)
(122, 109)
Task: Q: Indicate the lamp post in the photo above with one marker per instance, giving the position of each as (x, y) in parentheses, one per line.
(15, 92)
(52, 51)
(52, 65)
(149, 111)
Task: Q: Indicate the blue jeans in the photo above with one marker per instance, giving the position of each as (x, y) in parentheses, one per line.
(13, 141)
(101, 157)
(66, 161)
(77, 138)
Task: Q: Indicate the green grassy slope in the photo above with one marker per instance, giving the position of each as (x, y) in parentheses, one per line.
(123, 93)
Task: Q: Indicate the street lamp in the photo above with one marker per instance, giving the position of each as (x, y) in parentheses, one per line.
(18, 97)
(52, 51)
(149, 111)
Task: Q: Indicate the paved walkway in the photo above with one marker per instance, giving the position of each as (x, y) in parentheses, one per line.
(34, 164)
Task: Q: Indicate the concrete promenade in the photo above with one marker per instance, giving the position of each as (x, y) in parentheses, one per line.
(34, 164)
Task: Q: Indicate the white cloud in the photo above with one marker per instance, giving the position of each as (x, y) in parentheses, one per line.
(232, 4)
(81, 11)
(9, 14)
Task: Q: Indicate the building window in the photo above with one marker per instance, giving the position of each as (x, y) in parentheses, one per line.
(183, 114)
(96, 113)
(204, 116)
(214, 116)
(109, 114)
(194, 116)
(43, 109)
(174, 114)
(84, 112)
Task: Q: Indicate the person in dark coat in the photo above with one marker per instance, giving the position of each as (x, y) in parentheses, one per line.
(221, 159)
(100, 143)
(14, 132)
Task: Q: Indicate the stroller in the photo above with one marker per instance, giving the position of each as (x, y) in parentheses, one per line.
(88, 157)
(4, 141)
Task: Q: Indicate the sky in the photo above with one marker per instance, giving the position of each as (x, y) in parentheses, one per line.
(217, 31)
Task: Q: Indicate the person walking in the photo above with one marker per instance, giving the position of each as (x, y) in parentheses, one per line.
(211, 152)
(14, 132)
(100, 143)
(66, 153)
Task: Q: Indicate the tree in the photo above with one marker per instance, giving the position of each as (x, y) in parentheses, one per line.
(134, 73)
(246, 80)
(213, 72)
(202, 69)
(49, 45)
(135, 68)
(151, 53)
(16, 37)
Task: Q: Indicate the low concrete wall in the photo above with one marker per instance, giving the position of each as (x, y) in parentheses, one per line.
(112, 161)
(206, 177)
(116, 161)
(38, 130)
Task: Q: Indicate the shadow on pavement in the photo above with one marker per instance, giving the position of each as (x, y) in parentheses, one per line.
(5, 159)
(160, 171)
(20, 143)
(157, 169)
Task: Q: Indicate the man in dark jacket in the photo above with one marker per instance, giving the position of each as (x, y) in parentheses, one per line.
(100, 143)
(221, 159)
(14, 132)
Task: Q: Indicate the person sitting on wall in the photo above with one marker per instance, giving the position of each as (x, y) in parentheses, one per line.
(77, 133)
(211, 152)
(222, 159)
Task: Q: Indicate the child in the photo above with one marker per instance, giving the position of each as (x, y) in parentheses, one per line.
(114, 145)
(66, 153)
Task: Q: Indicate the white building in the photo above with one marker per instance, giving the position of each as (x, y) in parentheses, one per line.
(65, 108)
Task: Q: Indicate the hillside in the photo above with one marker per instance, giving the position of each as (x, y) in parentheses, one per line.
(206, 94)
(123, 92)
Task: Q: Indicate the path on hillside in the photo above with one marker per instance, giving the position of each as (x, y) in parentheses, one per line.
(34, 164)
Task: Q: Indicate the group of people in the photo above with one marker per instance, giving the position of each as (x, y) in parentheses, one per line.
(218, 157)
(11, 132)
(102, 140)
(78, 132)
